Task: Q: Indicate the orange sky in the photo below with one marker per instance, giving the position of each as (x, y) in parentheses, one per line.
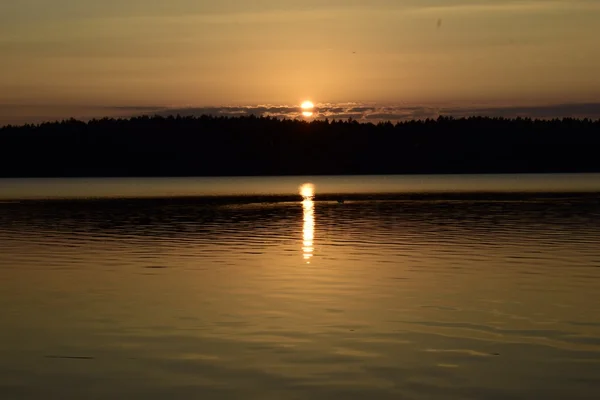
(62, 55)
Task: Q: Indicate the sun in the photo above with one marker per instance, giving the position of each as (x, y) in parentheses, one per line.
(307, 108)
(307, 105)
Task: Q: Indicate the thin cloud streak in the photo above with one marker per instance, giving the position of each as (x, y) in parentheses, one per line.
(507, 6)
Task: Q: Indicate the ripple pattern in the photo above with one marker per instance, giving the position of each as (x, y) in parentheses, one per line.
(401, 299)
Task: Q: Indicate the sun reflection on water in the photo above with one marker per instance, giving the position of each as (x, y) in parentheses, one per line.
(307, 191)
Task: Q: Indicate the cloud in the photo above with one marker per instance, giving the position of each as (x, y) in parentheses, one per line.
(584, 110)
(257, 11)
(377, 113)
(19, 114)
(521, 6)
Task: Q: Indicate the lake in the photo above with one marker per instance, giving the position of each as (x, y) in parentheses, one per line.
(423, 287)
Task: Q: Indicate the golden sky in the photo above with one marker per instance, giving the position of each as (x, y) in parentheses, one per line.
(63, 54)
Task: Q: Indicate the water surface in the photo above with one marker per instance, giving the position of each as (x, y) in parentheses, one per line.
(59, 188)
(389, 297)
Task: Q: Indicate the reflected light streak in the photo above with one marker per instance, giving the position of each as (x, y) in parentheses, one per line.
(307, 191)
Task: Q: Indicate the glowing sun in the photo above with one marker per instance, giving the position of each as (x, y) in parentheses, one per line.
(307, 105)
(307, 108)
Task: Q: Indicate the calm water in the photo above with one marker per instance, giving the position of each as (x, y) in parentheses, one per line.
(395, 296)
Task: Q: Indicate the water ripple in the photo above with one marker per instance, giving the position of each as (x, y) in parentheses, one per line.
(425, 298)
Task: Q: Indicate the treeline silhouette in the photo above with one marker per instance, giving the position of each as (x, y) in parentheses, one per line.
(250, 145)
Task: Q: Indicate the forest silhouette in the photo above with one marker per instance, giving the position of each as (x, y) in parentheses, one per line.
(255, 146)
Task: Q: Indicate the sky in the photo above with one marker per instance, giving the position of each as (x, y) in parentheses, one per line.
(89, 58)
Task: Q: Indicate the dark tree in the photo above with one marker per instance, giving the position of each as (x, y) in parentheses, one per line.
(250, 145)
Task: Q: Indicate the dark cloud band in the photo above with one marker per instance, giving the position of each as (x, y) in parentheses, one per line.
(12, 114)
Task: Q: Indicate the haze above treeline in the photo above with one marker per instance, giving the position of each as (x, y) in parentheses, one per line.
(255, 146)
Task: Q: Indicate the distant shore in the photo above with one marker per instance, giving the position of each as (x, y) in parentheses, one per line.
(264, 146)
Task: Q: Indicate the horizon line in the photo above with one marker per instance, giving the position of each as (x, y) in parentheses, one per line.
(29, 114)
